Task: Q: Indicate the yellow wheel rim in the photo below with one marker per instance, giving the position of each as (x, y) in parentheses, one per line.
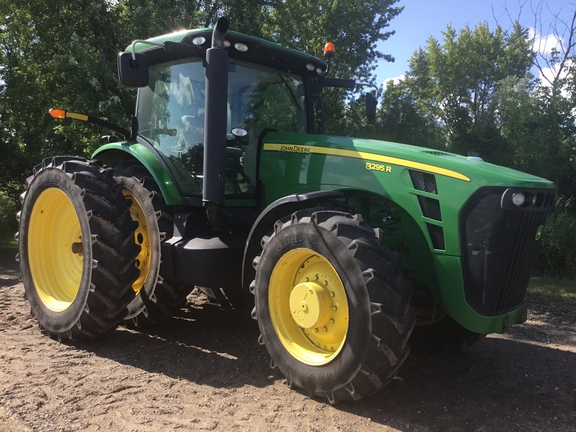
(55, 249)
(142, 238)
(308, 307)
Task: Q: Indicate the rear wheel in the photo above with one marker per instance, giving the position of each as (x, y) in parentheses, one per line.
(76, 248)
(331, 305)
(157, 299)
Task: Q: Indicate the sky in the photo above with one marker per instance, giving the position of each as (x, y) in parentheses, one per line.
(424, 18)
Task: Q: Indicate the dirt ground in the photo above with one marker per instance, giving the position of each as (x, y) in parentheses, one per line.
(203, 370)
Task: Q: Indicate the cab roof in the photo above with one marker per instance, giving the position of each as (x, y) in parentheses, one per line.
(258, 50)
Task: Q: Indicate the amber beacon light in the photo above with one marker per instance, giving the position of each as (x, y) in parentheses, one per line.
(329, 50)
(62, 114)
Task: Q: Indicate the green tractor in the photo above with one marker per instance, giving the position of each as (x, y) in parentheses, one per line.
(224, 183)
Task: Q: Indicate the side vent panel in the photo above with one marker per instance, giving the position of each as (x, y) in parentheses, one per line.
(437, 236)
(430, 208)
(424, 181)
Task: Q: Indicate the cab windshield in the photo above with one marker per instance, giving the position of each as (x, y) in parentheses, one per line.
(171, 118)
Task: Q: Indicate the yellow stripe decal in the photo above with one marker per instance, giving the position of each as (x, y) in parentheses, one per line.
(77, 116)
(295, 148)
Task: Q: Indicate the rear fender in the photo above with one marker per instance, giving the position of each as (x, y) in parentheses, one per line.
(124, 150)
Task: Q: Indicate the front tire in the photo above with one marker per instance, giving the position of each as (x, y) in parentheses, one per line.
(331, 305)
(76, 248)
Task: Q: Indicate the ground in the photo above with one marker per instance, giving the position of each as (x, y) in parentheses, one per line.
(204, 370)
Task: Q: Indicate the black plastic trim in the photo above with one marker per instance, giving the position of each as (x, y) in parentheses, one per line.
(537, 200)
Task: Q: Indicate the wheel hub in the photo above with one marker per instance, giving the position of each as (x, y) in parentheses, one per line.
(308, 306)
(311, 305)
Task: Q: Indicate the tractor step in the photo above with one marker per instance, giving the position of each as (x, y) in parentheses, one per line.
(208, 260)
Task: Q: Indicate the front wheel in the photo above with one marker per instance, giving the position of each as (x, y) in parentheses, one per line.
(331, 304)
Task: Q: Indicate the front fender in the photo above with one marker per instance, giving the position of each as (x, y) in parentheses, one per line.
(265, 222)
(118, 151)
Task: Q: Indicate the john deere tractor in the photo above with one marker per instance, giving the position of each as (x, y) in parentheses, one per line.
(223, 182)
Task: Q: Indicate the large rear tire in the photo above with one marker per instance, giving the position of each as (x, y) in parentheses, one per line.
(331, 304)
(76, 248)
(157, 299)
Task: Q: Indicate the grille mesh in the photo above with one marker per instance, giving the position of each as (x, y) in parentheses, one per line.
(498, 251)
(437, 236)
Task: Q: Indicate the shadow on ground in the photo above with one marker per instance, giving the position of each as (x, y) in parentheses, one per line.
(512, 383)
(203, 344)
(498, 384)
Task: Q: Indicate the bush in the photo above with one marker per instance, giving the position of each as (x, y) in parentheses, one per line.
(9, 205)
(557, 257)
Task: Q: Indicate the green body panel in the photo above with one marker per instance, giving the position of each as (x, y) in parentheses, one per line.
(454, 301)
(293, 163)
(170, 192)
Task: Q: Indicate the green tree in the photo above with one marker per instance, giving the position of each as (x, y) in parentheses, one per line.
(355, 27)
(537, 116)
(452, 84)
(58, 55)
(63, 55)
(402, 119)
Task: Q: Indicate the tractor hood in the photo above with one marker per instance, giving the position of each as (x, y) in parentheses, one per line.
(390, 156)
(476, 169)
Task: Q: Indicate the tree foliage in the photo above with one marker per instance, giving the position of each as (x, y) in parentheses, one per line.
(63, 55)
(470, 92)
(473, 93)
(453, 83)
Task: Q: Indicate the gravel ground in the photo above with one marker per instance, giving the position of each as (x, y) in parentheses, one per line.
(203, 370)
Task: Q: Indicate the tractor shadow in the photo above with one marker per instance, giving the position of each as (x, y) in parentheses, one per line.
(500, 383)
(204, 344)
(9, 271)
(524, 381)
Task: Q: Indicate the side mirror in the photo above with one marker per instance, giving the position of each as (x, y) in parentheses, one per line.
(371, 104)
(133, 72)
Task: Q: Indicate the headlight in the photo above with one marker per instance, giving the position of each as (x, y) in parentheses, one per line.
(518, 199)
(241, 47)
(198, 40)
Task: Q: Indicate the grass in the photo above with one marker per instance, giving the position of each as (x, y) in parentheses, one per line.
(553, 291)
(8, 246)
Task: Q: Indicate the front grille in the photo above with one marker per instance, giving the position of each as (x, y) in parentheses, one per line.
(499, 247)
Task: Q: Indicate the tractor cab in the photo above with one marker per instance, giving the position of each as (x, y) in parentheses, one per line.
(171, 117)
(203, 116)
